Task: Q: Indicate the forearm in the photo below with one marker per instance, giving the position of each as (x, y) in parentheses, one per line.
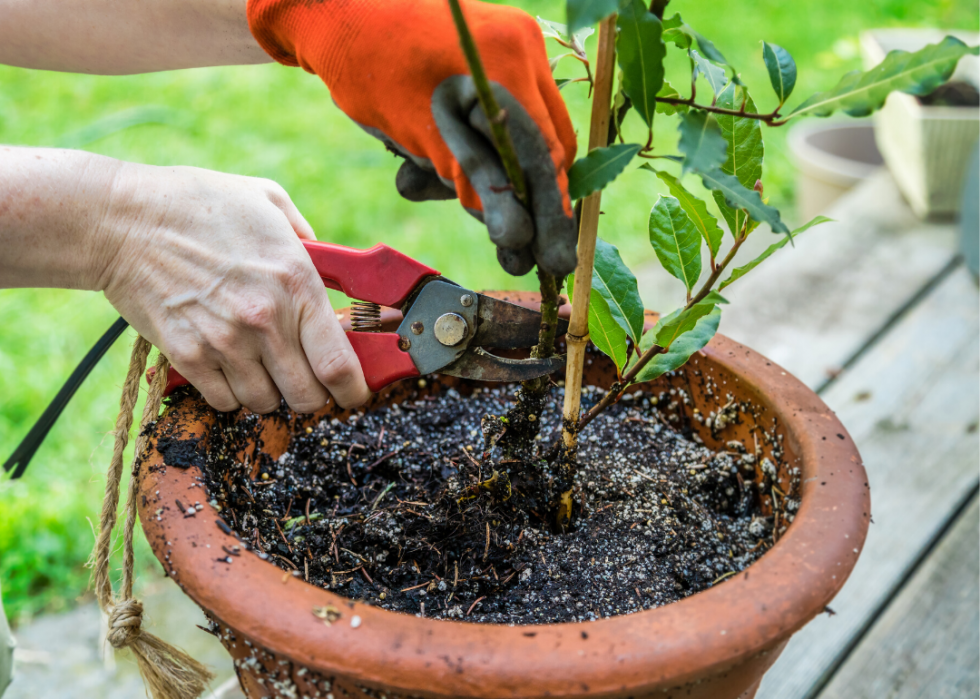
(54, 226)
(120, 37)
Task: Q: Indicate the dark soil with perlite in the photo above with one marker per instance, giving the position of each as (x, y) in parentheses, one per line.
(408, 508)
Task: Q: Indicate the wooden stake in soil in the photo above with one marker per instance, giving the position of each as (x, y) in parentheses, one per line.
(578, 326)
(168, 673)
(577, 335)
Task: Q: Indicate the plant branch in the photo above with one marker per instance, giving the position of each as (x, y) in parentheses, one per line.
(549, 286)
(495, 115)
(772, 118)
(618, 388)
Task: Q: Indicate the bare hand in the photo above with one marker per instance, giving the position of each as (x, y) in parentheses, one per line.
(209, 267)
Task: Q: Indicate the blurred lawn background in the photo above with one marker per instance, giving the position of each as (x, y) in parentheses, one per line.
(279, 123)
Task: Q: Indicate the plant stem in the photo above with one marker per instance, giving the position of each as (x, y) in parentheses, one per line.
(771, 119)
(549, 286)
(618, 388)
(495, 115)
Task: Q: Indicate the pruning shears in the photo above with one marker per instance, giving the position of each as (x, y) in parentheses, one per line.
(445, 329)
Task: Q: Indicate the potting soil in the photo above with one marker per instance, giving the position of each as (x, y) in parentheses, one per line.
(409, 508)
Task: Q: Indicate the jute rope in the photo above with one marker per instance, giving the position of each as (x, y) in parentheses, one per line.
(168, 672)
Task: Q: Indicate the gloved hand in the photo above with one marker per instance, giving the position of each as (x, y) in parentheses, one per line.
(396, 68)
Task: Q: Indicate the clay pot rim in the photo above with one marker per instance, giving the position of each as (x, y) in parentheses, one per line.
(675, 644)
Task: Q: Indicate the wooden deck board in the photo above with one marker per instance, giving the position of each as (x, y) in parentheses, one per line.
(927, 643)
(813, 306)
(911, 404)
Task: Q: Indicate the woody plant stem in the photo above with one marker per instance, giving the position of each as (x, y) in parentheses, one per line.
(512, 167)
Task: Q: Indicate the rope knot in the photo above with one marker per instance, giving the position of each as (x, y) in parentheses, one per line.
(125, 620)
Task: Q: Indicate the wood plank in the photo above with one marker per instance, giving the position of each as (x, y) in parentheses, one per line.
(813, 306)
(911, 404)
(927, 644)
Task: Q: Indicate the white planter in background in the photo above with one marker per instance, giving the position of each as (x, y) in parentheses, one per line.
(926, 148)
(830, 158)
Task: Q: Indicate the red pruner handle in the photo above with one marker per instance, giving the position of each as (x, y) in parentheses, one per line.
(382, 362)
(380, 274)
(174, 379)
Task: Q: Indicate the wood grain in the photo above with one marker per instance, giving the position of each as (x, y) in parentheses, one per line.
(911, 404)
(927, 643)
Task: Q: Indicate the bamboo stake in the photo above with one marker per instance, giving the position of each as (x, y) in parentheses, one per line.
(577, 335)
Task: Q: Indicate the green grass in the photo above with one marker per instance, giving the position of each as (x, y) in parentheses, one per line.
(279, 123)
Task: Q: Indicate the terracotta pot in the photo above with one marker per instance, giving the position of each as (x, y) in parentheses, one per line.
(717, 643)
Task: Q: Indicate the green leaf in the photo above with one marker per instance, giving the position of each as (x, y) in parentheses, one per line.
(782, 70)
(859, 94)
(553, 30)
(739, 197)
(709, 49)
(683, 320)
(562, 82)
(701, 142)
(584, 13)
(682, 348)
(676, 241)
(600, 167)
(606, 334)
(640, 51)
(617, 285)
(695, 209)
(553, 62)
(712, 52)
(740, 272)
(558, 31)
(744, 148)
(668, 90)
(621, 107)
(675, 32)
(713, 74)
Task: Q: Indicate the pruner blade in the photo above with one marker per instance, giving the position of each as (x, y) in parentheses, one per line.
(508, 326)
(480, 365)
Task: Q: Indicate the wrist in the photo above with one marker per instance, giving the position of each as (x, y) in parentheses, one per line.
(314, 36)
(119, 223)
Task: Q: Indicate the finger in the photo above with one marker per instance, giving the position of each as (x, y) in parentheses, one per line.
(201, 369)
(417, 184)
(477, 165)
(559, 118)
(331, 356)
(214, 387)
(516, 262)
(251, 384)
(538, 149)
(297, 221)
(289, 368)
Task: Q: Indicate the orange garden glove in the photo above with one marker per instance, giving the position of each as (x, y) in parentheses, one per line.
(396, 68)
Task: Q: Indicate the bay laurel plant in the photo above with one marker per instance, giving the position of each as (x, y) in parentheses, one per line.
(719, 141)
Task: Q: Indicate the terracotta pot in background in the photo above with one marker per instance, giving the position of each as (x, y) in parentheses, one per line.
(716, 644)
